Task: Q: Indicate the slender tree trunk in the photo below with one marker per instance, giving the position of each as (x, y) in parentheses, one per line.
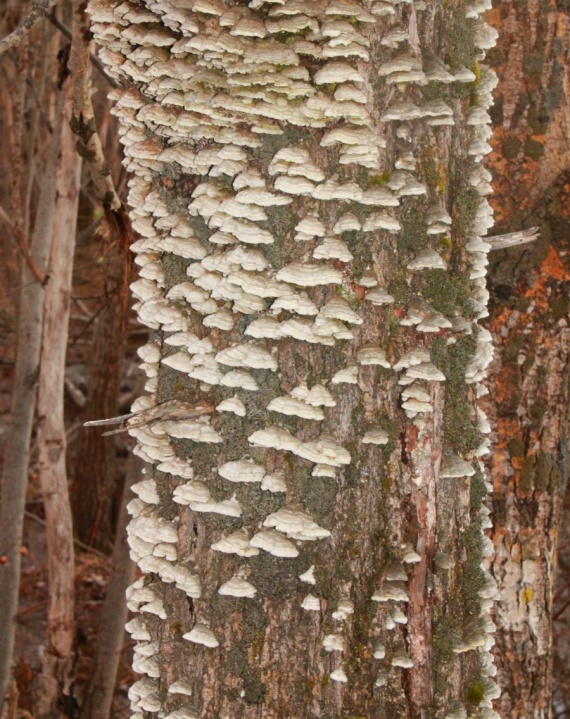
(57, 661)
(529, 401)
(110, 637)
(15, 473)
(307, 188)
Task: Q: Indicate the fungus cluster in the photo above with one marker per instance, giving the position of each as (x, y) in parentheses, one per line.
(209, 91)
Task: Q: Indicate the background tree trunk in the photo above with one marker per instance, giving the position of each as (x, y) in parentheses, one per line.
(55, 682)
(98, 700)
(16, 461)
(529, 319)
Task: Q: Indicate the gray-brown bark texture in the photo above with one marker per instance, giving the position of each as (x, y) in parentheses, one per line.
(307, 186)
(57, 659)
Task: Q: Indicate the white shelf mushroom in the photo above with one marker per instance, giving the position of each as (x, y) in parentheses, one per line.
(233, 405)
(202, 634)
(309, 275)
(402, 659)
(238, 587)
(181, 686)
(454, 466)
(274, 543)
(392, 592)
(348, 375)
(333, 643)
(296, 523)
(243, 470)
(344, 608)
(289, 405)
(274, 482)
(375, 436)
(236, 543)
(309, 576)
(311, 603)
(182, 714)
(379, 651)
(338, 675)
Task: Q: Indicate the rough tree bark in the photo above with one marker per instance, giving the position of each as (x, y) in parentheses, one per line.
(529, 320)
(307, 187)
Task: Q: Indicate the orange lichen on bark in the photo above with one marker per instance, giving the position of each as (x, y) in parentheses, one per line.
(522, 324)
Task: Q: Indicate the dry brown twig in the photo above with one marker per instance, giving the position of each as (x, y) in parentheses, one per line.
(172, 410)
(23, 246)
(38, 10)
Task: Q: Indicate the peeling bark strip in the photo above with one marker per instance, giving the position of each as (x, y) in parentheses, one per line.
(306, 182)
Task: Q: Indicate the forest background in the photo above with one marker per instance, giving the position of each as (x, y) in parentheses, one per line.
(98, 363)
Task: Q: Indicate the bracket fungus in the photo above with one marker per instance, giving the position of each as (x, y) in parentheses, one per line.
(237, 587)
(338, 675)
(202, 634)
(296, 523)
(401, 659)
(274, 543)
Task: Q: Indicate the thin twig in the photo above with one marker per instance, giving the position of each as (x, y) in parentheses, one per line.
(86, 547)
(23, 246)
(29, 610)
(97, 64)
(39, 10)
(87, 232)
(560, 611)
(12, 710)
(38, 105)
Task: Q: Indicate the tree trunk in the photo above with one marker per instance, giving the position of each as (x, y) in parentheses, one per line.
(307, 186)
(529, 320)
(56, 679)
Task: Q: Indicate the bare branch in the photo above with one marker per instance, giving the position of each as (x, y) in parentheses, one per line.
(39, 10)
(173, 410)
(56, 677)
(512, 239)
(77, 542)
